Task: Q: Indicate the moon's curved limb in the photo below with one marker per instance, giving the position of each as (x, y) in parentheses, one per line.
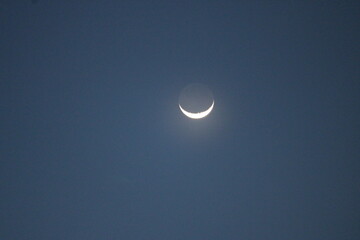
(199, 114)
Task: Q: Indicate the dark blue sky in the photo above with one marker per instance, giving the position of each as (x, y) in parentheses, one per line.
(93, 145)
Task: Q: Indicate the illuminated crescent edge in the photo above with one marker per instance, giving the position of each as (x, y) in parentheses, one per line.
(199, 114)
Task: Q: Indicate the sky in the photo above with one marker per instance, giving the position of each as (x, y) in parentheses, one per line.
(94, 146)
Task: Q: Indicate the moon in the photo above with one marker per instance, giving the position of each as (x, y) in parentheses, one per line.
(198, 115)
(196, 101)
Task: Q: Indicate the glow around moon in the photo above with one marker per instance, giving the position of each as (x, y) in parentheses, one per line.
(198, 115)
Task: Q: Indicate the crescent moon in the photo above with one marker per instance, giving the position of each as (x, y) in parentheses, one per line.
(199, 114)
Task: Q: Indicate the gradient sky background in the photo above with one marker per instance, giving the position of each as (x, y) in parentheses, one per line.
(93, 145)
